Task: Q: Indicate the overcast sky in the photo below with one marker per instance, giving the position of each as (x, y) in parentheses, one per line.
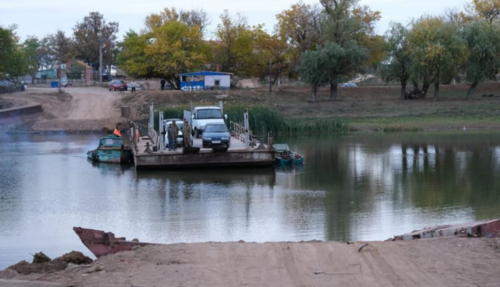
(41, 17)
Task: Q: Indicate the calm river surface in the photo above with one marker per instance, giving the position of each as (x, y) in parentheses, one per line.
(352, 187)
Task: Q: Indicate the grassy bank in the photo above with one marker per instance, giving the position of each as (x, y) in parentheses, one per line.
(264, 119)
(423, 123)
(289, 112)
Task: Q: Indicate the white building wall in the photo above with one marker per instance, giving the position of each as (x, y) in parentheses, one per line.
(225, 81)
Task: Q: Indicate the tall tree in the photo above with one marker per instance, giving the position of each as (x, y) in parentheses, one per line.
(397, 61)
(437, 50)
(483, 60)
(375, 47)
(342, 62)
(45, 53)
(176, 48)
(30, 47)
(312, 70)
(488, 10)
(132, 57)
(191, 18)
(93, 32)
(347, 25)
(300, 27)
(13, 63)
(272, 55)
(58, 48)
(237, 39)
(346, 20)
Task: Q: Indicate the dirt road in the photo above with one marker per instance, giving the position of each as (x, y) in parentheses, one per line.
(78, 109)
(433, 262)
(93, 104)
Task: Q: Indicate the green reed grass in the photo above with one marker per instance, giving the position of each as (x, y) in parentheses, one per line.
(265, 119)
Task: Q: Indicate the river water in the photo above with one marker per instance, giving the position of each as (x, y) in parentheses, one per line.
(352, 187)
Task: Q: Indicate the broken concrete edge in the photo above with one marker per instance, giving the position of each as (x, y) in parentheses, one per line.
(19, 111)
(484, 228)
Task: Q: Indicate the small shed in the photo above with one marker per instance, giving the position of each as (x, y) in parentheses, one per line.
(205, 80)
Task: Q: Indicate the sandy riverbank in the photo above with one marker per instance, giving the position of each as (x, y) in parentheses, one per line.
(431, 262)
(85, 109)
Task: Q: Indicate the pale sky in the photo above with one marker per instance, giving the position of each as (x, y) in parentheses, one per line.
(41, 17)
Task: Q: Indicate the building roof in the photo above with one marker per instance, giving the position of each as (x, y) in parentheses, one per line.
(205, 73)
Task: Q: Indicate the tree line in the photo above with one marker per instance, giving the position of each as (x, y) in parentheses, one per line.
(322, 45)
(18, 59)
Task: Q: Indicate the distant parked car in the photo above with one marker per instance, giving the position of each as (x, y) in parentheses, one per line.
(7, 86)
(348, 85)
(216, 135)
(138, 87)
(117, 85)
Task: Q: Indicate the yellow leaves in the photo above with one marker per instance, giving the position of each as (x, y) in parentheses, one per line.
(367, 17)
(485, 9)
(375, 46)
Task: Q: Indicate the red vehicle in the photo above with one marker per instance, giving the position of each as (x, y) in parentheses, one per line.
(117, 85)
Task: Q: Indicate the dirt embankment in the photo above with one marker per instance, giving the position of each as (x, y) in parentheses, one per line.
(75, 109)
(364, 108)
(432, 262)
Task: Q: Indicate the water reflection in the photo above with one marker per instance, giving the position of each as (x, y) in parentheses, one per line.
(355, 187)
(381, 185)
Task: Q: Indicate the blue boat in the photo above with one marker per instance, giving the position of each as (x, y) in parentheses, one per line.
(284, 156)
(111, 150)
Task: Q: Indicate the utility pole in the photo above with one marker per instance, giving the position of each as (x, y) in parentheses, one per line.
(100, 64)
(270, 78)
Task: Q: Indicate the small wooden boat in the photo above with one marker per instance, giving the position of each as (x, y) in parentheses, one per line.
(111, 150)
(284, 156)
(102, 243)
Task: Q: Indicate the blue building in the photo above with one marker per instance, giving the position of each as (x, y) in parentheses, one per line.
(205, 80)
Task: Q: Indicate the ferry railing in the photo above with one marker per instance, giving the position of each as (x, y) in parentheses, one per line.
(236, 129)
(152, 134)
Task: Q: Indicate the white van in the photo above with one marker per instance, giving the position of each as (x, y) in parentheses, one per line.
(199, 117)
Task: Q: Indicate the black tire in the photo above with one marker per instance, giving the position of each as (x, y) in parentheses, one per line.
(204, 145)
(197, 134)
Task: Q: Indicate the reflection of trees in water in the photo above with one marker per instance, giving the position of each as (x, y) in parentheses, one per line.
(362, 174)
(182, 199)
(453, 175)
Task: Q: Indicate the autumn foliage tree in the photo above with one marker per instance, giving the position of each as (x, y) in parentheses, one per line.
(176, 48)
(237, 41)
(300, 27)
(133, 58)
(170, 44)
(437, 50)
(488, 10)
